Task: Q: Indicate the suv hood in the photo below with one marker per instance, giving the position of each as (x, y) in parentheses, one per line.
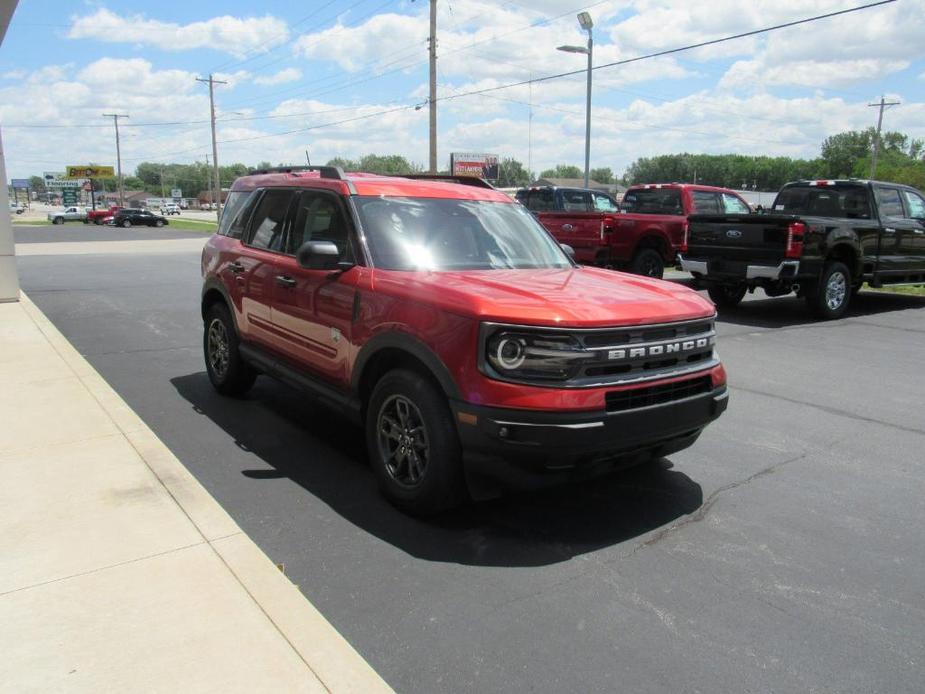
(573, 297)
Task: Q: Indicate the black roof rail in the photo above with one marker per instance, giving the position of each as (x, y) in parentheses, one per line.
(334, 172)
(449, 178)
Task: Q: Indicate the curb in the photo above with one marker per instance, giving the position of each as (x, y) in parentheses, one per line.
(320, 646)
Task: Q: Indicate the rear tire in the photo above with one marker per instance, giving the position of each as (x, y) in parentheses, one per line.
(413, 444)
(228, 372)
(159, 223)
(829, 299)
(648, 262)
(58, 220)
(126, 223)
(727, 295)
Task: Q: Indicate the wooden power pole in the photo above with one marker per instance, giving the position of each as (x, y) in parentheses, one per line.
(217, 190)
(883, 103)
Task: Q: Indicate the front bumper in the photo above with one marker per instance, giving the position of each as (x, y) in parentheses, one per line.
(530, 448)
(786, 269)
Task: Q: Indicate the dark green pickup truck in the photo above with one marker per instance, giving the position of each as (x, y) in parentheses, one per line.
(821, 239)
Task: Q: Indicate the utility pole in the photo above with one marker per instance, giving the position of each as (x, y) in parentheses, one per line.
(883, 103)
(433, 86)
(115, 120)
(217, 192)
(209, 178)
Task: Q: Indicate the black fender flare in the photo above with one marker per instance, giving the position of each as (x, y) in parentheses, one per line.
(214, 284)
(413, 346)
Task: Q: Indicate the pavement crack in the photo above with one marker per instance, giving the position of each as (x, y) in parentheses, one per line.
(707, 505)
(830, 410)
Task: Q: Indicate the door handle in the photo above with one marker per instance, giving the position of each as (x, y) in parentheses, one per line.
(236, 267)
(285, 281)
(889, 230)
(567, 227)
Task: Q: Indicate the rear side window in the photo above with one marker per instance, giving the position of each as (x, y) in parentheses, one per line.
(269, 220)
(705, 202)
(576, 201)
(733, 205)
(889, 202)
(234, 214)
(653, 201)
(604, 203)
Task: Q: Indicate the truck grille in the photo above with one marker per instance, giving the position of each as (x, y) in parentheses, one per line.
(634, 398)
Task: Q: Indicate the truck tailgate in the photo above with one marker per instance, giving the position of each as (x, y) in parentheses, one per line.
(757, 238)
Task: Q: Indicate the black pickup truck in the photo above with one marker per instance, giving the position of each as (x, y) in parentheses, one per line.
(821, 239)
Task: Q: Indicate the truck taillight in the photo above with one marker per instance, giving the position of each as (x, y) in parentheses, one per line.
(795, 233)
(685, 229)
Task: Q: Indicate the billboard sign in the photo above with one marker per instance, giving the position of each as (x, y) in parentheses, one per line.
(55, 180)
(176, 193)
(89, 171)
(470, 164)
(69, 196)
(21, 183)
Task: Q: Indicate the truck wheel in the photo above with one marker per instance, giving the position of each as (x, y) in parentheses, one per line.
(829, 299)
(649, 263)
(727, 295)
(126, 223)
(228, 372)
(58, 220)
(413, 445)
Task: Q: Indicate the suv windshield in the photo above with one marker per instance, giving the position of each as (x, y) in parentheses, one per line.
(653, 201)
(443, 234)
(839, 200)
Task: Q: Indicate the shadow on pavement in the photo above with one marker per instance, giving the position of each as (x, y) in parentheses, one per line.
(789, 311)
(303, 441)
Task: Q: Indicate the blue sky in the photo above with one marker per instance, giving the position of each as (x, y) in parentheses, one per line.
(343, 77)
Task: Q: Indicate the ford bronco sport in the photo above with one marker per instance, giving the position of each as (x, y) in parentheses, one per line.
(445, 320)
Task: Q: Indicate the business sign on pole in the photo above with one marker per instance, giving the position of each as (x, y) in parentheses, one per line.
(470, 164)
(176, 193)
(21, 183)
(69, 196)
(89, 171)
(53, 179)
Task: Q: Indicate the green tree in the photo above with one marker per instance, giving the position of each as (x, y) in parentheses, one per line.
(602, 175)
(345, 164)
(512, 174)
(563, 171)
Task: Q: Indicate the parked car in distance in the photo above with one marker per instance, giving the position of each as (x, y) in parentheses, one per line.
(16, 209)
(100, 215)
(68, 214)
(131, 217)
(821, 239)
(443, 319)
(170, 208)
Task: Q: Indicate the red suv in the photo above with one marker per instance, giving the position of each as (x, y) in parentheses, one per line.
(444, 319)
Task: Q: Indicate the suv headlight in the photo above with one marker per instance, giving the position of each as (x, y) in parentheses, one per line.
(521, 355)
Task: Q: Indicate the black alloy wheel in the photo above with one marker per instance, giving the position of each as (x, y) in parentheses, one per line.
(648, 262)
(413, 445)
(227, 371)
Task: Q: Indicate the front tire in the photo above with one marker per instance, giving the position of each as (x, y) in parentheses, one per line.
(830, 298)
(727, 295)
(58, 220)
(126, 223)
(648, 262)
(413, 444)
(159, 223)
(228, 372)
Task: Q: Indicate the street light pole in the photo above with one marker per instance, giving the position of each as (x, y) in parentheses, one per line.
(584, 19)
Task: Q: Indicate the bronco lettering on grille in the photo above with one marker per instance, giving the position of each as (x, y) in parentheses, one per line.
(659, 350)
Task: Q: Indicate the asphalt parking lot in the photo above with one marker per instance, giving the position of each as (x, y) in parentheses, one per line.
(783, 552)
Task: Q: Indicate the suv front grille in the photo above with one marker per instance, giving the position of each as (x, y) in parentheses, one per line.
(633, 398)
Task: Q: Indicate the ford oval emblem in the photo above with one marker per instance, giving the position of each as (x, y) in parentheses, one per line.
(733, 233)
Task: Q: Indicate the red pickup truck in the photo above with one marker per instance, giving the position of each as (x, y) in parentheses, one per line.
(99, 215)
(643, 236)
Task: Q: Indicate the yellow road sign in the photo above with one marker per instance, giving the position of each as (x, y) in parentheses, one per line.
(89, 171)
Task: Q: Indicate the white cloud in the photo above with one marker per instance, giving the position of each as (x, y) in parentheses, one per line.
(228, 34)
(232, 79)
(289, 74)
(14, 75)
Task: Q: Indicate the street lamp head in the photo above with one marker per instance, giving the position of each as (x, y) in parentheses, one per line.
(573, 49)
(584, 18)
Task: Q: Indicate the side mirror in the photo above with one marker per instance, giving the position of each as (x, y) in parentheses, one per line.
(318, 255)
(569, 250)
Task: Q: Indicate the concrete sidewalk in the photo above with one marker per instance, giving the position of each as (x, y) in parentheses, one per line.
(118, 571)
